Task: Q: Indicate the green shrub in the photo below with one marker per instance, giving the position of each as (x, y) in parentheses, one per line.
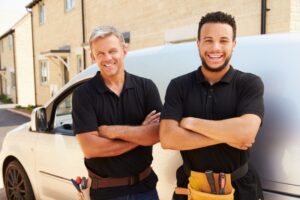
(29, 107)
(5, 99)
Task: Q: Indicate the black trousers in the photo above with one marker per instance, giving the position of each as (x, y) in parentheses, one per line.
(246, 188)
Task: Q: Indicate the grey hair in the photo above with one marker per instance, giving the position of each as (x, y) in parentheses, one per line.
(103, 31)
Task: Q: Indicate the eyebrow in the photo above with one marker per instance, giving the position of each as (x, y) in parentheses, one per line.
(210, 37)
(111, 49)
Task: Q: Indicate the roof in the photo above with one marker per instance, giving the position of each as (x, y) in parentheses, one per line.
(31, 4)
(63, 49)
(10, 31)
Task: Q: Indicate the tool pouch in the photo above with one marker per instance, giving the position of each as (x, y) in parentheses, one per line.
(199, 189)
(84, 194)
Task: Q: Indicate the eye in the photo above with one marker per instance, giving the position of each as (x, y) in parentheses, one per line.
(208, 41)
(224, 41)
(113, 51)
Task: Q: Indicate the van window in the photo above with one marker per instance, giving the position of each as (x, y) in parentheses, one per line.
(63, 117)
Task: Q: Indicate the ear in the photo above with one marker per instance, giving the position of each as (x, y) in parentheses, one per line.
(234, 44)
(92, 57)
(198, 43)
(125, 49)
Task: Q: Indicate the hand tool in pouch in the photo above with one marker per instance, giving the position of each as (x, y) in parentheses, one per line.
(222, 182)
(211, 181)
(76, 185)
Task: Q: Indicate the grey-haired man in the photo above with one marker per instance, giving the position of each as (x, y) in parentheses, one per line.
(116, 121)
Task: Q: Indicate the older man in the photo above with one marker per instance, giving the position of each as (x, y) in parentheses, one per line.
(116, 121)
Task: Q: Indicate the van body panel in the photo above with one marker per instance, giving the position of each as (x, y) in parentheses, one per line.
(276, 59)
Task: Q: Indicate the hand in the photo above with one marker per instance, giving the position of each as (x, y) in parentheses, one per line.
(243, 147)
(186, 122)
(106, 132)
(152, 117)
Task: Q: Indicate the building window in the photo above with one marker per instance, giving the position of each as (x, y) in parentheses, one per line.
(10, 42)
(1, 46)
(79, 63)
(69, 4)
(42, 15)
(13, 79)
(126, 36)
(44, 72)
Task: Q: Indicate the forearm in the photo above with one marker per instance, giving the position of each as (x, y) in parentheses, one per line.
(95, 146)
(145, 135)
(239, 130)
(176, 138)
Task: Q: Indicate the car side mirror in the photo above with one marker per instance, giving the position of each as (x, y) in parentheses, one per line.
(39, 119)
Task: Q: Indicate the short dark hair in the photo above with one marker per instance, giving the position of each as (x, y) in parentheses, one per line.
(218, 17)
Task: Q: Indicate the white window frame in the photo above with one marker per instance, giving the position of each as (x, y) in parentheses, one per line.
(44, 71)
(42, 14)
(69, 5)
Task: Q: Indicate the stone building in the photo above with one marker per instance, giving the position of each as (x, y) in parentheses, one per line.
(61, 28)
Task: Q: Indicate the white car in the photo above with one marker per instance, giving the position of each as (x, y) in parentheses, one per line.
(39, 158)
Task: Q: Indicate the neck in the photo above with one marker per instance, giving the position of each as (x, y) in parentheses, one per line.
(115, 83)
(214, 77)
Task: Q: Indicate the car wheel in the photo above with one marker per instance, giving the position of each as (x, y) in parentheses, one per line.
(17, 184)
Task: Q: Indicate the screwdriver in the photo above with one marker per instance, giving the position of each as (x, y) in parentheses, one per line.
(222, 182)
(211, 181)
(75, 185)
(83, 183)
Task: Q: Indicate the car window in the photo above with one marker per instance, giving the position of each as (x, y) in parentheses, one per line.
(63, 117)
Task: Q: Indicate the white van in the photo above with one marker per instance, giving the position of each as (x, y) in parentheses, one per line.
(45, 153)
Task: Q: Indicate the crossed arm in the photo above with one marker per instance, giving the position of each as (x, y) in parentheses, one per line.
(118, 139)
(191, 133)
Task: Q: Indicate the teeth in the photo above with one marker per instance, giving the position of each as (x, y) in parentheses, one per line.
(215, 55)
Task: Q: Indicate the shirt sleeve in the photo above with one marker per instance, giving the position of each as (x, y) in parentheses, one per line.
(83, 113)
(153, 101)
(251, 97)
(173, 106)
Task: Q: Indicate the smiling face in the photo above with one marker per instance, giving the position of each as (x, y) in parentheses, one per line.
(109, 53)
(215, 45)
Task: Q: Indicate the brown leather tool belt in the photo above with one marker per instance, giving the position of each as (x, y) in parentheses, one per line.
(101, 182)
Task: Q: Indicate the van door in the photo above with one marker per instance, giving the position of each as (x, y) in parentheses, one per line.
(59, 157)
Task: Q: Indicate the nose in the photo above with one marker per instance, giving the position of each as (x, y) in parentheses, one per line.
(107, 56)
(216, 46)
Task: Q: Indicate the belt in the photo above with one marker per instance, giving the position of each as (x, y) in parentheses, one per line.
(235, 175)
(101, 182)
(239, 172)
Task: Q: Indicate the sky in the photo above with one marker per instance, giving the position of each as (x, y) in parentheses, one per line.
(11, 11)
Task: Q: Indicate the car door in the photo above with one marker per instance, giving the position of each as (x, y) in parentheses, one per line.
(58, 155)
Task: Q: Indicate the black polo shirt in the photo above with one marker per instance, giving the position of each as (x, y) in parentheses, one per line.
(95, 105)
(190, 95)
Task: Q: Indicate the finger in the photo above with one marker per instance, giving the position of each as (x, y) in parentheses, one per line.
(155, 116)
(248, 145)
(156, 121)
(151, 113)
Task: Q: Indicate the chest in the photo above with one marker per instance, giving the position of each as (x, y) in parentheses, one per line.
(211, 102)
(127, 108)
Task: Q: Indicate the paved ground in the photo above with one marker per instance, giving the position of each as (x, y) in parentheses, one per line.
(8, 121)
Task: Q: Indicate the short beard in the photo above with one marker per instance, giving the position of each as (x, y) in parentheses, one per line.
(211, 69)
